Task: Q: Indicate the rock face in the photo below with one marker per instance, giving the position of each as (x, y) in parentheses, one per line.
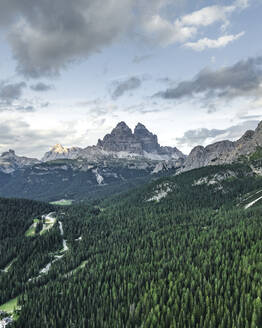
(142, 142)
(59, 152)
(224, 151)
(121, 139)
(148, 140)
(9, 162)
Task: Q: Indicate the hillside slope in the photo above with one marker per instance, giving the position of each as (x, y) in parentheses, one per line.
(191, 258)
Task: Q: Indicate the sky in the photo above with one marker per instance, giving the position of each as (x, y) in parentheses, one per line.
(190, 71)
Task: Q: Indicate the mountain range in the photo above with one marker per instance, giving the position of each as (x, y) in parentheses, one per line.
(120, 143)
(122, 159)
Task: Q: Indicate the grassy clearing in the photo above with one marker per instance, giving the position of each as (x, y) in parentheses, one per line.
(31, 231)
(63, 202)
(10, 306)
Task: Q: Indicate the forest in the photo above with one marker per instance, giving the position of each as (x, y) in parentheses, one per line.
(190, 259)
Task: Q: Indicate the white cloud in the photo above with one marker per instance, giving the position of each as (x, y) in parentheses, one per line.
(163, 32)
(212, 14)
(205, 43)
(208, 15)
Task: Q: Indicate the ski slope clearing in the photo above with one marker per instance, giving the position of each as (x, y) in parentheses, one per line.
(31, 231)
(7, 268)
(10, 306)
(46, 269)
(252, 203)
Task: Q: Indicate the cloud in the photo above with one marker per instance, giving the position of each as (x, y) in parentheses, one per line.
(41, 87)
(140, 59)
(240, 80)
(208, 15)
(48, 36)
(164, 32)
(205, 136)
(205, 43)
(213, 14)
(121, 87)
(10, 92)
(20, 135)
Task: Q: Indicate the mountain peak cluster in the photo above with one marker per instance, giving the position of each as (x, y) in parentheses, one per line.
(121, 142)
(141, 144)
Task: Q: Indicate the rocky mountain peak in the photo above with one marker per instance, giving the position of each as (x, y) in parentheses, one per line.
(58, 148)
(247, 136)
(60, 152)
(9, 153)
(9, 161)
(121, 139)
(225, 151)
(122, 129)
(140, 126)
(259, 127)
(122, 125)
(148, 140)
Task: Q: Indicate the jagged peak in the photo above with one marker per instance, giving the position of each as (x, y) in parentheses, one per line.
(58, 148)
(122, 125)
(140, 126)
(259, 127)
(247, 135)
(10, 152)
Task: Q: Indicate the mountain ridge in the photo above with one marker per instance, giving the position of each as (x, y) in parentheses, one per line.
(111, 167)
(225, 151)
(121, 142)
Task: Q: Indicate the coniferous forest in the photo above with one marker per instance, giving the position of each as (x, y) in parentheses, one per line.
(190, 259)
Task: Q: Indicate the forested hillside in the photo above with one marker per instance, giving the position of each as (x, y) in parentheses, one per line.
(184, 251)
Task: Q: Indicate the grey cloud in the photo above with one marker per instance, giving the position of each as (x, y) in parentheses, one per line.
(201, 136)
(45, 104)
(19, 135)
(241, 79)
(121, 87)
(140, 59)
(48, 36)
(10, 91)
(26, 108)
(251, 117)
(41, 87)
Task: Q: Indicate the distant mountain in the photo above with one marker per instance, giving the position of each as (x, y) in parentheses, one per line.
(120, 143)
(225, 151)
(10, 162)
(121, 160)
(59, 152)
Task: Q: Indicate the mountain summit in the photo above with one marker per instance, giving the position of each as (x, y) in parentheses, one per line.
(122, 159)
(142, 142)
(9, 161)
(121, 139)
(225, 151)
(122, 143)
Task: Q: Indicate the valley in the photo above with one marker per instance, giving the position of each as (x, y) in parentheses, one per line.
(133, 242)
(181, 242)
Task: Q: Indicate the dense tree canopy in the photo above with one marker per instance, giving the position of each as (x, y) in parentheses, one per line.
(193, 259)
